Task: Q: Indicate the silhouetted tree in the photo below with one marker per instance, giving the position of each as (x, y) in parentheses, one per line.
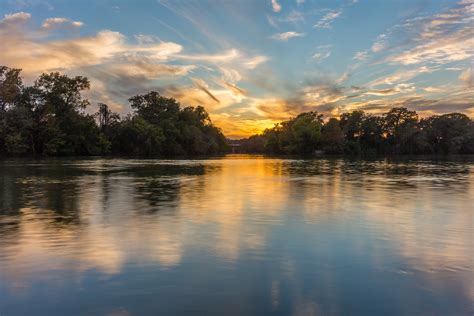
(400, 125)
(449, 133)
(396, 132)
(333, 137)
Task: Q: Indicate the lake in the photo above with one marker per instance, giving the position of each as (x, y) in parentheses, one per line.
(237, 235)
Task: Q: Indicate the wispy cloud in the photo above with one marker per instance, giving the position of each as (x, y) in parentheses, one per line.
(326, 21)
(18, 17)
(400, 76)
(467, 77)
(287, 35)
(53, 23)
(235, 89)
(254, 62)
(119, 67)
(361, 56)
(380, 43)
(439, 39)
(322, 52)
(293, 17)
(275, 6)
(204, 87)
(400, 88)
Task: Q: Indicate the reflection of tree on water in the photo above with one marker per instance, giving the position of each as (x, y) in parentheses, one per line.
(162, 191)
(48, 188)
(160, 186)
(393, 173)
(10, 190)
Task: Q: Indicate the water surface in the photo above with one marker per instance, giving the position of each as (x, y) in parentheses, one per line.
(238, 235)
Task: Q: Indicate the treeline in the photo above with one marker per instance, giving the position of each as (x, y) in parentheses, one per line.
(49, 119)
(399, 131)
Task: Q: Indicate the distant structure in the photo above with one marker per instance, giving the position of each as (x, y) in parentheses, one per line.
(234, 146)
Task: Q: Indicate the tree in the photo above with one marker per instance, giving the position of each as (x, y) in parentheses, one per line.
(306, 132)
(351, 124)
(371, 137)
(332, 137)
(272, 137)
(10, 89)
(10, 86)
(60, 105)
(138, 137)
(400, 125)
(154, 108)
(106, 117)
(449, 133)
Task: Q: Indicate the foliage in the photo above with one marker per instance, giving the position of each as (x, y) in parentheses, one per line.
(50, 119)
(399, 131)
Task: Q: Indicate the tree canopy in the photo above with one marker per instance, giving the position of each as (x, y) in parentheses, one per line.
(49, 118)
(399, 131)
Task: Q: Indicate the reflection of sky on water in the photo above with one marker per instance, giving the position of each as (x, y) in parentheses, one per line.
(239, 235)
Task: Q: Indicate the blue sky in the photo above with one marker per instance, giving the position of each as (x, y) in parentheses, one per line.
(253, 63)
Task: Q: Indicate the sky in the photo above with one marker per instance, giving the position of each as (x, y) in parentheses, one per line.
(252, 64)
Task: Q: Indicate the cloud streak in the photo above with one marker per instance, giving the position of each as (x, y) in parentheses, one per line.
(200, 84)
(287, 35)
(440, 39)
(322, 52)
(328, 19)
(52, 23)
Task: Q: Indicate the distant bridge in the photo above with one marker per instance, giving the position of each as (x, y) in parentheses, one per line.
(234, 147)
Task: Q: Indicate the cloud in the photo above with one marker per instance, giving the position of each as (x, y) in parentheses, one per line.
(431, 89)
(235, 90)
(400, 88)
(18, 17)
(459, 46)
(326, 21)
(287, 35)
(275, 6)
(200, 84)
(467, 77)
(225, 57)
(252, 63)
(143, 66)
(24, 47)
(119, 67)
(272, 21)
(53, 23)
(361, 56)
(293, 17)
(401, 76)
(379, 44)
(322, 52)
(22, 4)
(231, 64)
(318, 93)
(439, 39)
(343, 78)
